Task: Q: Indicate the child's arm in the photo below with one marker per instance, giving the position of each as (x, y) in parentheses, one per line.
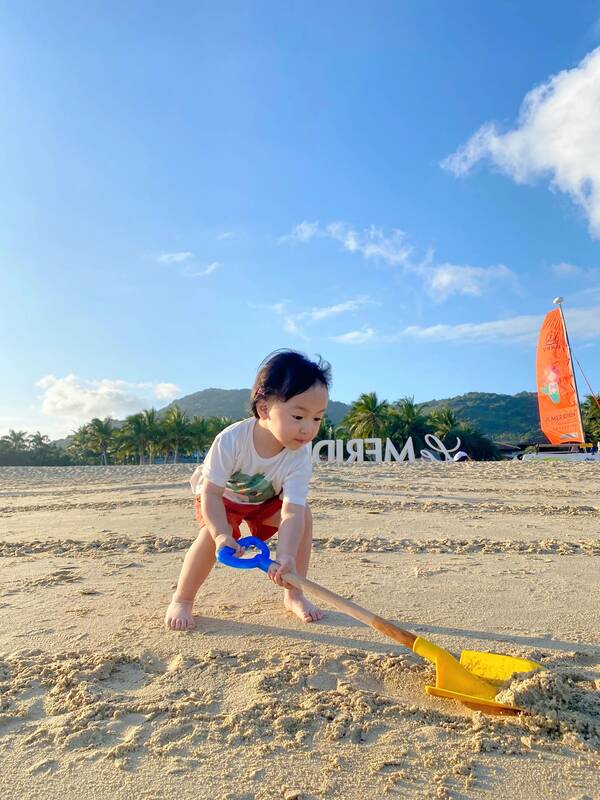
(290, 533)
(215, 517)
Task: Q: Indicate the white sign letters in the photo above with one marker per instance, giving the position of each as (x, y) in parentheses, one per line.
(332, 450)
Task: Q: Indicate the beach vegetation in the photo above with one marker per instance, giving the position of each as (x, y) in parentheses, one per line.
(153, 433)
(166, 436)
(132, 438)
(18, 448)
(443, 419)
(99, 433)
(408, 421)
(177, 428)
(590, 413)
(368, 417)
(326, 429)
(472, 441)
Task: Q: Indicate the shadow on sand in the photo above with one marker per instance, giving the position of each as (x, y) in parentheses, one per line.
(324, 632)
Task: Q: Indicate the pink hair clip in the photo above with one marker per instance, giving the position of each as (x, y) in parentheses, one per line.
(260, 392)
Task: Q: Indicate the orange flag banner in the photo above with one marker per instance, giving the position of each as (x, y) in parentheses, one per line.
(560, 417)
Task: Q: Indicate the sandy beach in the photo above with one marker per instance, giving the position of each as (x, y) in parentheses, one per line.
(98, 700)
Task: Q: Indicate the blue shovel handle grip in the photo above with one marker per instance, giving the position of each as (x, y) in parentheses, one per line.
(260, 560)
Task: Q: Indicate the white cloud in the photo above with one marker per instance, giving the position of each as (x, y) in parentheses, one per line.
(291, 326)
(441, 280)
(165, 391)
(208, 270)
(189, 271)
(226, 235)
(302, 232)
(370, 242)
(566, 270)
(76, 400)
(557, 136)
(446, 279)
(582, 323)
(174, 258)
(317, 314)
(361, 336)
(513, 329)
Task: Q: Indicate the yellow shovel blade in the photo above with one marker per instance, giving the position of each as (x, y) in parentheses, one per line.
(476, 703)
(474, 680)
(495, 668)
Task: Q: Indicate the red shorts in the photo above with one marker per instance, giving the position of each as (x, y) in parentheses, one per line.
(253, 514)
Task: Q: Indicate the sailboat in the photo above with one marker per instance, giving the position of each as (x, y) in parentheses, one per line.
(558, 397)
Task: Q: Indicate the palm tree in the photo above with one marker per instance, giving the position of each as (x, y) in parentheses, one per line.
(133, 436)
(408, 421)
(38, 441)
(473, 442)
(591, 418)
(16, 440)
(177, 425)
(443, 420)
(79, 446)
(216, 425)
(100, 436)
(125, 447)
(153, 432)
(165, 443)
(199, 434)
(368, 418)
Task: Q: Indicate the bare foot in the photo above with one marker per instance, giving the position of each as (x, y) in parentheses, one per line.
(302, 608)
(179, 615)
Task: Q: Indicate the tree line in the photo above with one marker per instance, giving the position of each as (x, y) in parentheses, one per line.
(147, 437)
(142, 438)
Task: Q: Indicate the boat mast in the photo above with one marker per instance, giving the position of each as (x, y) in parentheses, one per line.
(558, 301)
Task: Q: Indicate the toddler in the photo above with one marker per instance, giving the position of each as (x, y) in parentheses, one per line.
(257, 471)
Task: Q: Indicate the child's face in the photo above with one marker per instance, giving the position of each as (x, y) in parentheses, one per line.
(296, 422)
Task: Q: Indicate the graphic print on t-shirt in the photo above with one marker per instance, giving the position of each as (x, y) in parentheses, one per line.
(255, 488)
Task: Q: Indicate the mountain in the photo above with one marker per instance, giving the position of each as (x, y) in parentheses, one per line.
(503, 417)
(234, 403)
(213, 403)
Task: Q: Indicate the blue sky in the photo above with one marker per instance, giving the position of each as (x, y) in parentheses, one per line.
(401, 187)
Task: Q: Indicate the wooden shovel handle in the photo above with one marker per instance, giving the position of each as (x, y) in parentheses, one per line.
(353, 609)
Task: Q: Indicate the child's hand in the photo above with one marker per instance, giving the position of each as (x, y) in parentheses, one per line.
(277, 571)
(226, 540)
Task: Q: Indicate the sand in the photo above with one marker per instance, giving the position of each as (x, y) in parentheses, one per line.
(98, 700)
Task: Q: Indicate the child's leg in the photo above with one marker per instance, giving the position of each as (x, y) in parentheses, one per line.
(293, 599)
(198, 562)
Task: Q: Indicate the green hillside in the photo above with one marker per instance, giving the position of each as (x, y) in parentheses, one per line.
(234, 403)
(502, 417)
(214, 403)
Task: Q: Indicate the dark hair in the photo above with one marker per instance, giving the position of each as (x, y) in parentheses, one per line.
(285, 373)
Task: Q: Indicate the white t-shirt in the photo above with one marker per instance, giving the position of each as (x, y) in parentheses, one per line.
(233, 462)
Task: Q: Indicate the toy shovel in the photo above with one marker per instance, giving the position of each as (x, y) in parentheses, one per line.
(475, 680)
